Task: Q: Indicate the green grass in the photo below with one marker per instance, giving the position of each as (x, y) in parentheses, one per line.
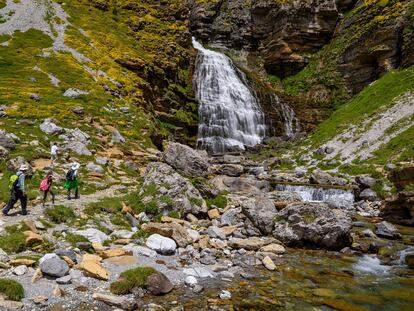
(219, 201)
(75, 238)
(131, 279)
(13, 241)
(12, 289)
(60, 214)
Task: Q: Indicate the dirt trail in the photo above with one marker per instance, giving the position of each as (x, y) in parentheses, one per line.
(37, 210)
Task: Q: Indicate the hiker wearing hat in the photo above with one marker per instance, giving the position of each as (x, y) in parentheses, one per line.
(71, 182)
(18, 191)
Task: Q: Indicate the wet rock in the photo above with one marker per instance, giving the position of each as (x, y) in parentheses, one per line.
(268, 263)
(224, 294)
(158, 284)
(250, 244)
(190, 281)
(369, 195)
(187, 160)
(366, 181)
(122, 302)
(51, 264)
(184, 196)
(386, 230)
(322, 178)
(313, 224)
(161, 244)
(199, 272)
(233, 170)
(261, 211)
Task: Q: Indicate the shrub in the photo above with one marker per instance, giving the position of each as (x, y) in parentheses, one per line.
(60, 214)
(12, 289)
(131, 279)
(219, 201)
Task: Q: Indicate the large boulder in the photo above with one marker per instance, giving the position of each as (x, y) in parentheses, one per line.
(261, 211)
(158, 284)
(171, 230)
(161, 244)
(322, 178)
(387, 230)
(6, 140)
(52, 265)
(245, 185)
(313, 224)
(234, 170)
(187, 160)
(183, 196)
(49, 127)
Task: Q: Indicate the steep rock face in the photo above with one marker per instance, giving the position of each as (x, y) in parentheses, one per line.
(282, 32)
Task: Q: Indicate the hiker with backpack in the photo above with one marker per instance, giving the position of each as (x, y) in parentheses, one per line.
(17, 191)
(54, 153)
(71, 182)
(46, 187)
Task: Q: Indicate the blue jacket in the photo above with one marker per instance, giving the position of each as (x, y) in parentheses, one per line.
(21, 183)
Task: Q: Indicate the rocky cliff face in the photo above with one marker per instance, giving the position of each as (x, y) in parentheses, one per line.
(317, 53)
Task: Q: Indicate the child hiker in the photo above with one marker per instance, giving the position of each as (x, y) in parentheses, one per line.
(71, 182)
(46, 187)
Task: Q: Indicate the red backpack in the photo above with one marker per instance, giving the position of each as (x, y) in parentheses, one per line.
(44, 184)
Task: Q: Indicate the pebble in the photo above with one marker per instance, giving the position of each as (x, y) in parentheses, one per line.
(224, 295)
(20, 270)
(190, 281)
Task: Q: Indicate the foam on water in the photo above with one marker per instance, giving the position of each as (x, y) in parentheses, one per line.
(370, 265)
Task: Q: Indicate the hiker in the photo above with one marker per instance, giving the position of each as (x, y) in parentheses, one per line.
(17, 190)
(71, 180)
(46, 187)
(54, 153)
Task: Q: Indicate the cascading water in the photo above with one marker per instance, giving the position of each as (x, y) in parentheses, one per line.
(308, 193)
(230, 116)
(290, 121)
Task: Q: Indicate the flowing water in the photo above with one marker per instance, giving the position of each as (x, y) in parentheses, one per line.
(309, 193)
(230, 116)
(291, 123)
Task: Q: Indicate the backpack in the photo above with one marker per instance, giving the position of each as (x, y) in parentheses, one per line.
(44, 184)
(13, 181)
(70, 175)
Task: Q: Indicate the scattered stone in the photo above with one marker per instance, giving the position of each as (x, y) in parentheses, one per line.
(234, 170)
(161, 244)
(366, 181)
(386, 230)
(115, 301)
(21, 261)
(67, 279)
(213, 213)
(197, 289)
(40, 300)
(10, 305)
(250, 244)
(78, 110)
(322, 178)
(37, 276)
(268, 263)
(158, 284)
(199, 272)
(32, 238)
(74, 93)
(261, 211)
(115, 252)
(369, 195)
(58, 292)
(3, 256)
(273, 248)
(68, 253)
(52, 265)
(194, 235)
(216, 232)
(224, 295)
(171, 230)
(190, 281)
(20, 270)
(141, 250)
(118, 138)
(94, 269)
(93, 235)
(94, 168)
(34, 97)
(50, 128)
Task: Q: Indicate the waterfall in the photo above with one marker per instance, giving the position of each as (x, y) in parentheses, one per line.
(290, 122)
(230, 116)
(308, 193)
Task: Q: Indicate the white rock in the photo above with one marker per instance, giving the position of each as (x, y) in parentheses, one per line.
(200, 272)
(93, 235)
(161, 244)
(20, 270)
(194, 235)
(140, 251)
(190, 281)
(224, 294)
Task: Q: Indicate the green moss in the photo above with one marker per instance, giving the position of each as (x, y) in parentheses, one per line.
(219, 201)
(131, 279)
(12, 289)
(60, 214)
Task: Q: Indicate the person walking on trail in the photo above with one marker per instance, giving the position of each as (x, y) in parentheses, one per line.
(46, 187)
(54, 153)
(71, 182)
(17, 191)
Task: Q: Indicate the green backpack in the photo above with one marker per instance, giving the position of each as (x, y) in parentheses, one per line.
(14, 179)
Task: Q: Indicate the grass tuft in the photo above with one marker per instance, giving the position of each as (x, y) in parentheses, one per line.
(12, 289)
(131, 279)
